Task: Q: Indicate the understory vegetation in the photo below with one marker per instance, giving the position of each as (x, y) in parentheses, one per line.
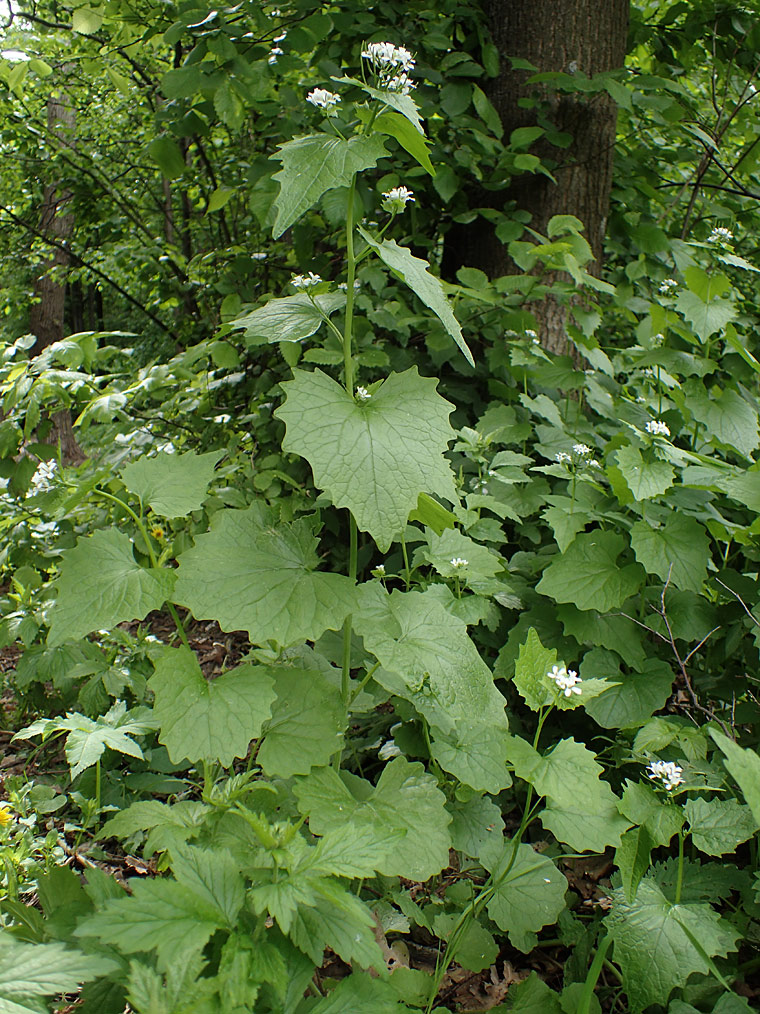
(362, 653)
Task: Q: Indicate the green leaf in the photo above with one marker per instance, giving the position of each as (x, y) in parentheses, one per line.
(744, 766)
(427, 657)
(476, 948)
(582, 810)
(101, 584)
(208, 720)
(186, 817)
(86, 21)
(705, 317)
(403, 104)
(172, 484)
(315, 163)
(530, 895)
(338, 920)
(718, 826)
(532, 995)
(251, 573)
(588, 574)
(414, 271)
(534, 661)
(636, 696)
(167, 155)
(678, 551)
(405, 799)
(632, 858)
(432, 514)
(290, 319)
(373, 457)
(360, 994)
(35, 970)
(212, 875)
(408, 136)
(653, 943)
(482, 564)
(307, 723)
(645, 479)
(475, 822)
(727, 417)
(218, 199)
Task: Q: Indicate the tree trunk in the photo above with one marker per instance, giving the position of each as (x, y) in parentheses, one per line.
(46, 319)
(554, 35)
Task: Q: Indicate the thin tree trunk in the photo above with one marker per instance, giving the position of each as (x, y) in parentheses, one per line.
(554, 35)
(46, 320)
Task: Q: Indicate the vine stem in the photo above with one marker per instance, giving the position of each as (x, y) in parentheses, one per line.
(153, 561)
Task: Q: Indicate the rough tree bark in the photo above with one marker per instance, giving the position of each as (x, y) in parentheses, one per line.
(46, 321)
(554, 35)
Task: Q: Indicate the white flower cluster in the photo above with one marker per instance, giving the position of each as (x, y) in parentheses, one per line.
(392, 65)
(563, 458)
(582, 449)
(305, 281)
(379, 570)
(668, 286)
(343, 286)
(658, 428)
(397, 199)
(668, 772)
(567, 680)
(276, 51)
(533, 335)
(720, 235)
(323, 99)
(363, 394)
(458, 562)
(43, 477)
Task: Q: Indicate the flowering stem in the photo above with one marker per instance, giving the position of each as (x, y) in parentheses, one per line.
(679, 879)
(584, 1005)
(407, 572)
(348, 364)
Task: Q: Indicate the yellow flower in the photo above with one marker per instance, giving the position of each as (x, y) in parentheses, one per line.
(157, 532)
(6, 815)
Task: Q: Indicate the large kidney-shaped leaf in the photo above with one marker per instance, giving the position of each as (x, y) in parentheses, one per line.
(428, 658)
(202, 720)
(655, 943)
(172, 484)
(374, 457)
(289, 319)
(414, 272)
(405, 799)
(250, 573)
(316, 163)
(101, 584)
(588, 573)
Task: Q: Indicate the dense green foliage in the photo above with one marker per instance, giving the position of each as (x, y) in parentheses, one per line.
(495, 611)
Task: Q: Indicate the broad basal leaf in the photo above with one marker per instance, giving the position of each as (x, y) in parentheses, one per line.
(172, 484)
(251, 573)
(414, 272)
(528, 894)
(289, 319)
(374, 457)
(427, 657)
(405, 799)
(588, 573)
(307, 723)
(208, 720)
(316, 163)
(677, 551)
(718, 826)
(101, 584)
(654, 946)
(633, 697)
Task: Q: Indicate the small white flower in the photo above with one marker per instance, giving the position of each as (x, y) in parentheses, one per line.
(273, 54)
(44, 476)
(458, 562)
(668, 772)
(582, 449)
(593, 463)
(397, 199)
(323, 99)
(392, 64)
(363, 394)
(562, 458)
(720, 235)
(281, 37)
(305, 281)
(343, 286)
(567, 680)
(379, 570)
(658, 339)
(530, 333)
(260, 255)
(658, 428)
(668, 285)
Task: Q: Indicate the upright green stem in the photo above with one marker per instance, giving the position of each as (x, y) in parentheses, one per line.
(348, 363)
(584, 1005)
(679, 880)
